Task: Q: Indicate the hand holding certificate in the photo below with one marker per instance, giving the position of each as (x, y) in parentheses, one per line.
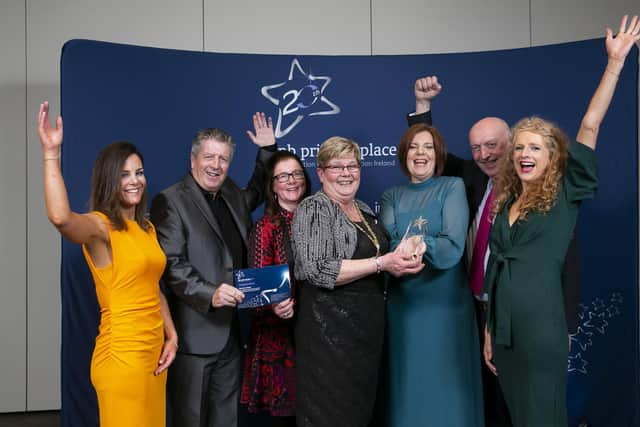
(263, 286)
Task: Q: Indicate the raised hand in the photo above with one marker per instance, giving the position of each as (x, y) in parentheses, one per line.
(427, 88)
(50, 137)
(617, 49)
(264, 135)
(619, 46)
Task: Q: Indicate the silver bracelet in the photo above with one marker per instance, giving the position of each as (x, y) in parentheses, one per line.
(378, 265)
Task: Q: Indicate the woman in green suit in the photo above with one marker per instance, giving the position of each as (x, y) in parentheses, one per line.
(539, 189)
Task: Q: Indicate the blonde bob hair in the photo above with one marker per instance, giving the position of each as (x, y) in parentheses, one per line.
(337, 146)
(541, 194)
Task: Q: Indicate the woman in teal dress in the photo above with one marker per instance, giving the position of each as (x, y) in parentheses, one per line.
(539, 189)
(433, 363)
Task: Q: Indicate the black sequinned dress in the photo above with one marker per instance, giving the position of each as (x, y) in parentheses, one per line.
(339, 337)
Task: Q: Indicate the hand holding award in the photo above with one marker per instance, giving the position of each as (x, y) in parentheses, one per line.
(413, 243)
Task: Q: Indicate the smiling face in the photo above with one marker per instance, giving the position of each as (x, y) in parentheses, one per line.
(210, 165)
(488, 140)
(288, 183)
(421, 157)
(132, 182)
(340, 178)
(531, 156)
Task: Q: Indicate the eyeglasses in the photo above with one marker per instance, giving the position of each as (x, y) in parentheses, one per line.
(297, 175)
(339, 168)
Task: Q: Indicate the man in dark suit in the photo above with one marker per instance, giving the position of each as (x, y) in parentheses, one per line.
(203, 222)
(489, 140)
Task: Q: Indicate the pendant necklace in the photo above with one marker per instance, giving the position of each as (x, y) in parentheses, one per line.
(368, 232)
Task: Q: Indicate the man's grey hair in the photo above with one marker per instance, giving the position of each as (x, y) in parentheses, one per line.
(211, 133)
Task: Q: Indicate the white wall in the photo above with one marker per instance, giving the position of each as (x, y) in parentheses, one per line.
(32, 33)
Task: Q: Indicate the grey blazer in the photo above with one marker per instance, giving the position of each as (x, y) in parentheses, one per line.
(198, 260)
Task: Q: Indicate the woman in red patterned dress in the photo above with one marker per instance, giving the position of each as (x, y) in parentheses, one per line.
(269, 379)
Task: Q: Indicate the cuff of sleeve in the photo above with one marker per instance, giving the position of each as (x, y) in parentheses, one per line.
(413, 118)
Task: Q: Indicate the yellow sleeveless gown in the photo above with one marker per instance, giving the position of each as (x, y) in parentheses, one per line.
(131, 334)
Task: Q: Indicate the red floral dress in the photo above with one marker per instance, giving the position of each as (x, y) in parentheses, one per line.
(269, 382)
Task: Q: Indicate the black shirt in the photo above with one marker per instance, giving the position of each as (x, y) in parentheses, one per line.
(230, 233)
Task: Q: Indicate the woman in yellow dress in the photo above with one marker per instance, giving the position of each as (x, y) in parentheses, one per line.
(137, 340)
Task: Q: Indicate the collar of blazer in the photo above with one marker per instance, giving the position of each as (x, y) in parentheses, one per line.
(231, 195)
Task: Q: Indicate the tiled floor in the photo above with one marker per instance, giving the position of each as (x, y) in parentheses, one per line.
(31, 419)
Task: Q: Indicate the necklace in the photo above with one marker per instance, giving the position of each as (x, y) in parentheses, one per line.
(368, 232)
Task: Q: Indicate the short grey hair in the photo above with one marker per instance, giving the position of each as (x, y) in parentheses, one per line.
(337, 146)
(211, 133)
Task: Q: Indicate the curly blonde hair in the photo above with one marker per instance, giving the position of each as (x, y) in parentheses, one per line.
(541, 194)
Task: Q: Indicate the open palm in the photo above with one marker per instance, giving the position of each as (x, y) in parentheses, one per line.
(619, 46)
(50, 137)
(264, 135)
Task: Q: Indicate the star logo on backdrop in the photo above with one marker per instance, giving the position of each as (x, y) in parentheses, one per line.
(592, 317)
(582, 338)
(613, 311)
(300, 95)
(596, 320)
(598, 304)
(577, 363)
(583, 311)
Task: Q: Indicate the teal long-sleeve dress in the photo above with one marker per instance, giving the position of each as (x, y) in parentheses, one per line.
(526, 311)
(433, 376)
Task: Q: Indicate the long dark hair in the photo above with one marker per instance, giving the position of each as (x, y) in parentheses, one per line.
(105, 185)
(271, 206)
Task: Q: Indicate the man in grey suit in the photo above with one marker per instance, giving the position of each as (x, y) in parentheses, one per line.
(202, 223)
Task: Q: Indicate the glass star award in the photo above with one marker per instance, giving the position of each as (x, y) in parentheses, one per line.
(413, 242)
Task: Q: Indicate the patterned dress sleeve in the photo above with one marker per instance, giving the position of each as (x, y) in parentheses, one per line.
(581, 176)
(313, 244)
(445, 249)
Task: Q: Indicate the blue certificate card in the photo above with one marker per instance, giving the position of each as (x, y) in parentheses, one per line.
(263, 286)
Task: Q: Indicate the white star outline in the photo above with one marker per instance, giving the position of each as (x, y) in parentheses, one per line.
(582, 342)
(591, 320)
(293, 105)
(577, 363)
(597, 321)
(583, 311)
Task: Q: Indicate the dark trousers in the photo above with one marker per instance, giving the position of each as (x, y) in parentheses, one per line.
(203, 389)
(496, 413)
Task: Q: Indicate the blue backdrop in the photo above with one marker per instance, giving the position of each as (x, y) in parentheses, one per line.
(159, 98)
